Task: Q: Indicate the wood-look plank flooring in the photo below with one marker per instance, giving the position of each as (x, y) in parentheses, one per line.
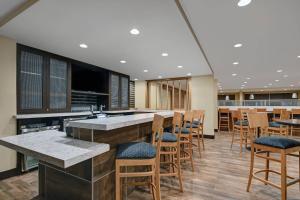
(220, 174)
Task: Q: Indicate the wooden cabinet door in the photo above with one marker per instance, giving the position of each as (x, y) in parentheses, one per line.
(31, 82)
(114, 91)
(124, 92)
(58, 86)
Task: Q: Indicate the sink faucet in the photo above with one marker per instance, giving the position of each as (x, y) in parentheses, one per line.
(101, 108)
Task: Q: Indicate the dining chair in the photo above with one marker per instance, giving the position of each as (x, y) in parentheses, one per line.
(170, 150)
(224, 119)
(141, 155)
(263, 147)
(295, 115)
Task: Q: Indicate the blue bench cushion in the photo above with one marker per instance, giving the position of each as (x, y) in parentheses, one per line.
(188, 125)
(274, 124)
(136, 150)
(168, 137)
(241, 122)
(197, 122)
(277, 142)
(183, 130)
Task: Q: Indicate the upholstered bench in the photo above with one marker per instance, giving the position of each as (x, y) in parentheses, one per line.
(264, 146)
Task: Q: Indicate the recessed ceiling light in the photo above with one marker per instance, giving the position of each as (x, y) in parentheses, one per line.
(179, 66)
(245, 82)
(279, 70)
(159, 76)
(189, 74)
(84, 46)
(123, 61)
(238, 45)
(248, 78)
(298, 56)
(270, 84)
(164, 54)
(292, 85)
(276, 80)
(242, 3)
(136, 79)
(233, 74)
(243, 85)
(145, 70)
(134, 31)
(235, 63)
(285, 76)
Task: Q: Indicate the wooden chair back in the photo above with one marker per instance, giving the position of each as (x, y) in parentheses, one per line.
(198, 115)
(252, 111)
(157, 129)
(258, 120)
(277, 111)
(295, 112)
(261, 110)
(243, 113)
(188, 117)
(177, 120)
(224, 110)
(285, 115)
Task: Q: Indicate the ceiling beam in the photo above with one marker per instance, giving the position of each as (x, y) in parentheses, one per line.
(16, 11)
(184, 15)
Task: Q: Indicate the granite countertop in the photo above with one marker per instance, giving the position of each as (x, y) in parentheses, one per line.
(54, 147)
(111, 123)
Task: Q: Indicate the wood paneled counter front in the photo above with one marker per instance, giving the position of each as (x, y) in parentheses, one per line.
(113, 131)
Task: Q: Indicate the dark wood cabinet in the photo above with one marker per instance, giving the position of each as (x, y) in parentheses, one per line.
(119, 91)
(43, 82)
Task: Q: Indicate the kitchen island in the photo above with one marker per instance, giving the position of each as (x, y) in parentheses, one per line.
(82, 166)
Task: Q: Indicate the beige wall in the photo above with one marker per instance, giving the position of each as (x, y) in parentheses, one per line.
(140, 94)
(204, 96)
(8, 99)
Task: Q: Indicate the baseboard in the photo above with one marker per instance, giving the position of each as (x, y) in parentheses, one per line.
(209, 136)
(9, 173)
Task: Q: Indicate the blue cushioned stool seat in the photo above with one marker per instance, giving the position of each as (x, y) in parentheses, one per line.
(241, 122)
(197, 122)
(277, 142)
(274, 124)
(136, 150)
(168, 137)
(183, 130)
(188, 125)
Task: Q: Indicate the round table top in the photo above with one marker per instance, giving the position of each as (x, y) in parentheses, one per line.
(291, 122)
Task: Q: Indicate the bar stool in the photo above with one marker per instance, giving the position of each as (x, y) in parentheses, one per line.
(137, 154)
(277, 113)
(295, 115)
(224, 119)
(198, 128)
(267, 145)
(170, 147)
(279, 129)
(186, 138)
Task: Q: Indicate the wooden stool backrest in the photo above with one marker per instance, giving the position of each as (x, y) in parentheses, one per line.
(157, 129)
(177, 120)
(188, 117)
(277, 111)
(198, 115)
(285, 115)
(243, 113)
(224, 110)
(295, 112)
(261, 110)
(255, 121)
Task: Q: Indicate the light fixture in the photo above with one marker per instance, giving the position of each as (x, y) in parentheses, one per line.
(279, 70)
(235, 63)
(134, 31)
(233, 74)
(292, 85)
(270, 84)
(245, 82)
(294, 95)
(248, 78)
(238, 45)
(298, 56)
(159, 76)
(251, 96)
(242, 3)
(276, 80)
(84, 46)
(136, 79)
(243, 85)
(123, 61)
(285, 76)
(189, 74)
(164, 54)
(179, 66)
(145, 70)
(227, 98)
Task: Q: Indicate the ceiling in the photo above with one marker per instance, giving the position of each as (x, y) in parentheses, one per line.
(7, 6)
(59, 26)
(269, 31)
